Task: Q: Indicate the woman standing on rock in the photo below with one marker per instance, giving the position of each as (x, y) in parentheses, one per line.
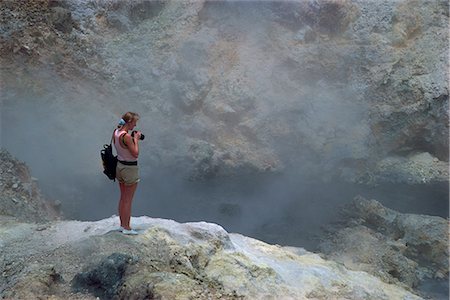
(127, 171)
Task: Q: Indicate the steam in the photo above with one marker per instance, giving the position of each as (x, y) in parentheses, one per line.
(229, 79)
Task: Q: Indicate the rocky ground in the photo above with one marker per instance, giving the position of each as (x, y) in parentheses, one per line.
(168, 260)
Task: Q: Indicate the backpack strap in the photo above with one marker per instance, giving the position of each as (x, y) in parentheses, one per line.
(112, 138)
(121, 136)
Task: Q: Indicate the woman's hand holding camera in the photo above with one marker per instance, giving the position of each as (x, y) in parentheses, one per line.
(138, 134)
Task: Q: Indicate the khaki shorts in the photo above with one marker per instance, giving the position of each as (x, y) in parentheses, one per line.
(127, 174)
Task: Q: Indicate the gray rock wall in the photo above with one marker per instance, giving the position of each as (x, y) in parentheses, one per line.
(331, 87)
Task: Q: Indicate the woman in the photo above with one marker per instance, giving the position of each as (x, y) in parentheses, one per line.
(127, 171)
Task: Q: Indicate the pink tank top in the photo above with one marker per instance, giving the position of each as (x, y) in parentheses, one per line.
(123, 154)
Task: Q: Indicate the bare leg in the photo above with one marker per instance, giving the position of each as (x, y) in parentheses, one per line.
(121, 202)
(125, 209)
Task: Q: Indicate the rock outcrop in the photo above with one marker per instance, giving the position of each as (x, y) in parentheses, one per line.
(396, 247)
(168, 260)
(20, 196)
(416, 168)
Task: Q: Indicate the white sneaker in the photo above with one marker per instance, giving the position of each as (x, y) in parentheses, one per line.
(129, 232)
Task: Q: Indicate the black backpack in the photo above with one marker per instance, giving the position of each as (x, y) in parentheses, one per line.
(109, 161)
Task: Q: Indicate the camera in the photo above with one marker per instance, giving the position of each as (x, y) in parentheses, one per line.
(141, 138)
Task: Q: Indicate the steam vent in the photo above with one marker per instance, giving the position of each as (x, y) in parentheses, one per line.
(293, 149)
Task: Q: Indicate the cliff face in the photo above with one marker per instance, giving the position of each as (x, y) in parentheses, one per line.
(20, 197)
(332, 87)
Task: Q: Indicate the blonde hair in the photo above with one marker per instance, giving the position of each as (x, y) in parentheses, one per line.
(130, 116)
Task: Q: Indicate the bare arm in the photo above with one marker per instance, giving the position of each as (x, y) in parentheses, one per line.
(133, 143)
